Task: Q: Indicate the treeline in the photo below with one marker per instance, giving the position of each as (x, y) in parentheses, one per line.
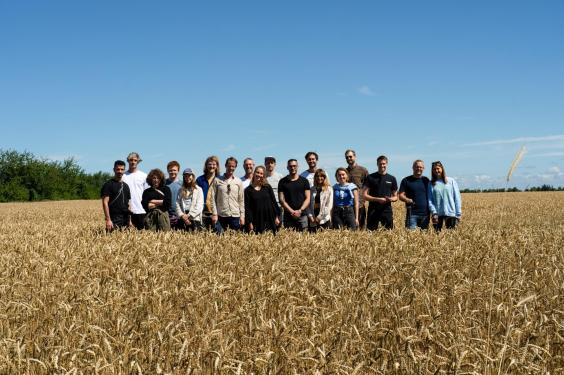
(25, 177)
(514, 189)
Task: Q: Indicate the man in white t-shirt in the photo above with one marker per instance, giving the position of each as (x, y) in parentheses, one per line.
(249, 167)
(311, 159)
(137, 182)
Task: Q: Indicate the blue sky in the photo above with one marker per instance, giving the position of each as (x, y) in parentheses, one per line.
(465, 83)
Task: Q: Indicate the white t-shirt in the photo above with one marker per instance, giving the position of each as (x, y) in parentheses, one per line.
(309, 176)
(246, 181)
(137, 182)
(273, 182)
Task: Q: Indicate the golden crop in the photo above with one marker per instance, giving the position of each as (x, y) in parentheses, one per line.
(485, 298)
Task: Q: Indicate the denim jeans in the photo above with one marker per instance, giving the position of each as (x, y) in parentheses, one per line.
(229, 222)
(343, 217)
(417, 221)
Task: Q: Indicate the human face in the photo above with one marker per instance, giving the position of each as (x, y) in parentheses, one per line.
(119, 171)
(173, 173)
(418, 169)
(258, 176)
(350, 158)
(230, 167)
(437, 170)
(248, 166)
(211, 166)
(270, 165)
(293, 168)
(320, 179)
(155, 181)
(188, 178)
(342, 177)
(382, 166)
(311, 161)
(132, 163)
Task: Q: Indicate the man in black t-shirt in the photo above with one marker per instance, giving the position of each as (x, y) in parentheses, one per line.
(293, 193)
(413, 191)
(115, 200)
(380, 190)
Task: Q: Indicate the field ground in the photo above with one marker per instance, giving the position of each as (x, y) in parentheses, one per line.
(486, 298)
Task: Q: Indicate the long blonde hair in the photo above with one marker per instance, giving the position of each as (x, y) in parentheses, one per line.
(325, 185)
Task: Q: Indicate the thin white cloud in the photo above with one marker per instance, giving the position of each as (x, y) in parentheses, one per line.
(548, 154)
(365, 90)
(228, 148)
(549, 138)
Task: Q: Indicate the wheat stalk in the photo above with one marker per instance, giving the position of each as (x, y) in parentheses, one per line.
(516, 162)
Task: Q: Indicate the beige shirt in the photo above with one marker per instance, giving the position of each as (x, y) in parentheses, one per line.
(228, 198)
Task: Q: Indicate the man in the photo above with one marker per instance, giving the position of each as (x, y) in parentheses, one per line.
(249, 167)
(311, 160)
(137, 182)
(294, 194)
(273, 178)
(380, 190)
(205, 181)
(115, 200)
(413, 191)
(227, 198)
(173, 167)
(358, 176)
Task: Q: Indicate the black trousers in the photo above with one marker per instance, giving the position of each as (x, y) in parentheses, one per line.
(448, 221)
(138, 220)
(376, 218)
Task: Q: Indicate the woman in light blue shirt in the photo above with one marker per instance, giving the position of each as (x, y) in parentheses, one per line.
(445, 202)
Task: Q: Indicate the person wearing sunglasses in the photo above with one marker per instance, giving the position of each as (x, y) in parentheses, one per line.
(445, 202)
(358, 175)
(228, 199)
(294, 194)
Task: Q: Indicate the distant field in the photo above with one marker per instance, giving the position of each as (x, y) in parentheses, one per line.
(486, 298)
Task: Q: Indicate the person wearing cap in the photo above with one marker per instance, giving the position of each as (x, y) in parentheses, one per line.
(228, 199)
(174, 184)
(249, 167)
(137, 182)
(189, 203)
(273, 178)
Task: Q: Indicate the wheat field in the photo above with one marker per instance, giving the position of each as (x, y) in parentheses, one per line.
(487, 298)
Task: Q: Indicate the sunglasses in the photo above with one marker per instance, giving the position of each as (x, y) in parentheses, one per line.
(436, 163)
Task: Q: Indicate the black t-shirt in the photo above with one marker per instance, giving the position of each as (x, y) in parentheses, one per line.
(416, 189)
(119, 196)
(380, 186)
(294, 191)
(150, 194)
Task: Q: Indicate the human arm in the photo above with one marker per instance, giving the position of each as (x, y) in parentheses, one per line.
(197, 203)
(356, 206)
(241, 202)
(457, 199)
(248, 210)
(106, 208)
(212, 192)
(369, 198)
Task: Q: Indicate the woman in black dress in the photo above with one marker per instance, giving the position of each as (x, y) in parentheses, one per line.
(156, 201)
(261, 210)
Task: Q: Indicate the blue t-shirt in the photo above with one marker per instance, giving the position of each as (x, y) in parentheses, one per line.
(343, 195)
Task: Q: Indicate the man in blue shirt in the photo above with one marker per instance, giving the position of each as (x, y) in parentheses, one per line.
(414, 192)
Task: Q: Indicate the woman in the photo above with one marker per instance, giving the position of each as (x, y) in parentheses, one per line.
(190, 203)
(345, 198)
(321, 202)
(156, 201)
(261, 210)
(444, 199)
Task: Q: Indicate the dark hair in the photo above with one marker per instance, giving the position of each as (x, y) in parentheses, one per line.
(171, 164)
(434, 177)
(312, 153)
(231, 158)
(192, 185)
(342, 170)
(119, 162)
(349, 150)
(381, 157)
(158, 173)
(212, 158)
(291, 160)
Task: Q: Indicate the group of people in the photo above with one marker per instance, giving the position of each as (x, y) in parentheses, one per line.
(264, 200)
